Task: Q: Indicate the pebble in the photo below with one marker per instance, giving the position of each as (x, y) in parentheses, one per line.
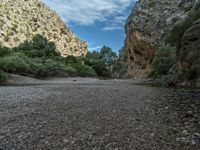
(66, 141)
(185, 132)
(189, 114)
(73, 142)
(197, 135)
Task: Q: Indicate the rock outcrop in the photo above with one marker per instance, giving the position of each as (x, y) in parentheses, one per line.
(144, 30)
(187, 69)
(20, 20)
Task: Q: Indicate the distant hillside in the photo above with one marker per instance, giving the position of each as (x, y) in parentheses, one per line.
(21, 20)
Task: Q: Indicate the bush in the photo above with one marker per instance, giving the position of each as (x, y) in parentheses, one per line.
(189, 74)
(3, 76)
(39, 58)
(102, 69)
(72, 60)
(4, 51)
(84, 70)
(51, 68)
(175, 35)
(39, 46)
(163, 61)
(14, 64)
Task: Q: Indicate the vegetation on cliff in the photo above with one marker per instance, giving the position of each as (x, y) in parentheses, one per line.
(175, 35)
(164, 59)
(180, 58)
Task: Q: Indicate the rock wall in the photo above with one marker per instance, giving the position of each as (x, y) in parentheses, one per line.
(145, 27)
(20, 20)
(186, 71)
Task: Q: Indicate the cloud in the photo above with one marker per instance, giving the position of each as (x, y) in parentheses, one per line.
(95, 48)
(88, 12)
(116, 23)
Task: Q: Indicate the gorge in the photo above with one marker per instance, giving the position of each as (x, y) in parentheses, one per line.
(58, 92)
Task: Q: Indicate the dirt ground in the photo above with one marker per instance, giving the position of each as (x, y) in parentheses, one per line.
(92, 114)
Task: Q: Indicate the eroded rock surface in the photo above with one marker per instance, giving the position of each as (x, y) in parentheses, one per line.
(20, 20)
(188, 65)
(144, 28)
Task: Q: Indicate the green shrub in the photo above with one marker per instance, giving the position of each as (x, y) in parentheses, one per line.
(39, 46)
(189, 74)
(163, 61)
(4, 51)
(52, 68)
(14, 64)
(72, 60)
(102, 69)
(39, 58)
(3, 76)
(84, 70)
(71, 71)
(175, 35)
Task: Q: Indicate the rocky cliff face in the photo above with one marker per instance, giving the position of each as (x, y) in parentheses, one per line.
(20, 20)
(187, 69)
(145, 28)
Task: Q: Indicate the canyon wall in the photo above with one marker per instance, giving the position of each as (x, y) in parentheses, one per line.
(145, 28)
(21, 20)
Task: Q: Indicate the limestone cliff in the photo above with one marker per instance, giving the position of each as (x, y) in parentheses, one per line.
(20, 20)
(187, 69)
(145, 28)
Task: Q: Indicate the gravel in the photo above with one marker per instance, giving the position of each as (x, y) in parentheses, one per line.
(84, 113)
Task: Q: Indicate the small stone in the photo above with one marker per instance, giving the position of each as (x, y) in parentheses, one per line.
(197, 135)
(166, 107)
(193, 142)
(185, 132)
(196, 116)
(73, 142)
(189, 113)
(152, 135)
(66, 141)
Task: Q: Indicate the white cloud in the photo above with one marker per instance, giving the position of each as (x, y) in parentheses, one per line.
(88, 12)
(95, 48)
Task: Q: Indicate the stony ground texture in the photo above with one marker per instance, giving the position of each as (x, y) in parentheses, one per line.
(98, 115)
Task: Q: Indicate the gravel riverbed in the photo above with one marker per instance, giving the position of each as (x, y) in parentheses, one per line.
(92, 114)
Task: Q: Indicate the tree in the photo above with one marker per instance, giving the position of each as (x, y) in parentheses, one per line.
(106, 54)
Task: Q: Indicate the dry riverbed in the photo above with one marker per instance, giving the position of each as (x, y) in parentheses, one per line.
(84, 113)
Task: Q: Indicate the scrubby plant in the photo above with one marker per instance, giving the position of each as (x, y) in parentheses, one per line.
(84, 70)
(3, 76)
(102, 69)
(39, 46)
(53, 68)
(175, 35)
(14, 64)
(4, 51)
(189, 74)
(163, 61)
(39, 58)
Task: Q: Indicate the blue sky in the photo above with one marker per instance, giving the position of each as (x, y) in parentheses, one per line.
(98, 22)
